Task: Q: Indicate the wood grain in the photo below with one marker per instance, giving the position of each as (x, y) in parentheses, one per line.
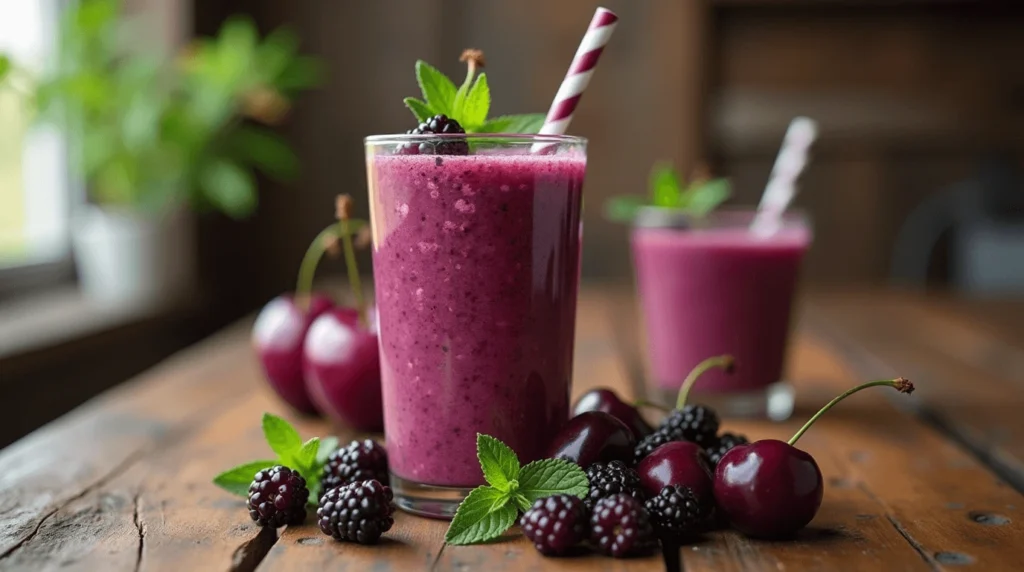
(124, 483)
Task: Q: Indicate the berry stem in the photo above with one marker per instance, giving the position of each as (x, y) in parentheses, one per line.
(474, 59)
(307, 269)
(723, 361)
(901, 384)
(344, 214)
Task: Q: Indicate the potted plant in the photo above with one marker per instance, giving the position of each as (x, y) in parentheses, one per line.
(153, 137)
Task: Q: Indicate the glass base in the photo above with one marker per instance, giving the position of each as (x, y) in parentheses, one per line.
(774, 402)
(427, 500)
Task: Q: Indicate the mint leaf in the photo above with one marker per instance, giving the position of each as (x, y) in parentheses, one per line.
(549, 477)
(474, 107)
(498, 461)
(419, 109)
(483, 515)
(281, 436)
(521, 502)
(526, 123)
(5, 66)
(327, 446)
(666, 190)
(699, 200)
(306, 456)
(623, 208)
(237, 480)
(438, 90)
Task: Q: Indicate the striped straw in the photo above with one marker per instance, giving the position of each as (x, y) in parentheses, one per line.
(781, 186)
(578, 76)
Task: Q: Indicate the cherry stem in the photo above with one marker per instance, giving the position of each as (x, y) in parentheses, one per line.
(723, 361)
(901, 384)
(304, 286)
(352, 268)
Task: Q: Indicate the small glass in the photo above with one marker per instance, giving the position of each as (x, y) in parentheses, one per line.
(709, 287)
(476, 268)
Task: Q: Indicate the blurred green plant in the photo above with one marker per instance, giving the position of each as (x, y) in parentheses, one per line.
(149, 132)
(667, 190)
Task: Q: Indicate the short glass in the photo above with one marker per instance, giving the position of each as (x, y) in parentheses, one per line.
(476, 272)
(709, 287)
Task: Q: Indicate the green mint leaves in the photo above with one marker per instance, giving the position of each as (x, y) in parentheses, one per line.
(491, 510)
(468, 104)
(307, 458)
(667, 190)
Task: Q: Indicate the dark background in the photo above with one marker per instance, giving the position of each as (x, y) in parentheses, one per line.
(921, 107)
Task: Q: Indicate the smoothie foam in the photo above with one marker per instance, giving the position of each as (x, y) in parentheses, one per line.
(476, 265)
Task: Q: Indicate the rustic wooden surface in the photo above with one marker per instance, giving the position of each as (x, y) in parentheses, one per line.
(932, 483)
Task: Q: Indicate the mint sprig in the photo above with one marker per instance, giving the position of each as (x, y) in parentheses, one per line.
(490, 510)
(468, 103)
(307, 458)
(667, 190)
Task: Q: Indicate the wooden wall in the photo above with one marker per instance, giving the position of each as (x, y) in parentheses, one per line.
(908, 98)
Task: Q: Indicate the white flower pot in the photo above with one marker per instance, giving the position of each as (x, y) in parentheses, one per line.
(132, 258)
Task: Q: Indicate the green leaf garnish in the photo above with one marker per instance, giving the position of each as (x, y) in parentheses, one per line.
(281, 436)
(419, 108)
(499, 463)
(548, 477)
(474, 108)
(525, 123)
(237, 480)
(483, 515)
(667, 190)
(307, 458)
(468, 104)
(438, 90)
(488, 511)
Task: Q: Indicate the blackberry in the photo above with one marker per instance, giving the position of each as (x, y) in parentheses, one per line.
(357, 461)
(441, 125)
(555, 524)
(676, 513)
(724, 443)
(620, 526)
(607, 479)
(278, 496)
(694, 423)
(648, 444)
(358, 512)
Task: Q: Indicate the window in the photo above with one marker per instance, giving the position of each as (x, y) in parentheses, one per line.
(35, 189)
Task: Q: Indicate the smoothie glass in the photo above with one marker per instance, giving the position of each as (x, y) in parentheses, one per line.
(709, 287)
(476, 268)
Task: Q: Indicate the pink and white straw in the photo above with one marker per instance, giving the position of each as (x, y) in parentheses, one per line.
(578, 76)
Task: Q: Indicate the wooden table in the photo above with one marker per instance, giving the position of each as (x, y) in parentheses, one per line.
(929, 482)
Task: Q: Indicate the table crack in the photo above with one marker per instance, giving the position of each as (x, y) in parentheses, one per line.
(437, 559)
(900, 529)
(248, 556)
(140, 525)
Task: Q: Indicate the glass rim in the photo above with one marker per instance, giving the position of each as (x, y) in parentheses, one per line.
(730, 216)
(498, 137)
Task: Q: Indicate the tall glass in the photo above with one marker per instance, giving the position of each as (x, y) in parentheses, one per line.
(476, 268)
(709, 287)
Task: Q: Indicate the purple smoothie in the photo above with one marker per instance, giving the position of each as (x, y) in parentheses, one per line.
(476, 271)
(714, 291)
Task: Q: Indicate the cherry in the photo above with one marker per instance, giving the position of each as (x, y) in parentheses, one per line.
(342, 370)
(277, 336)
(591, 437)
(607, 401)
(771, 489)
(677, 463)
(341, 360)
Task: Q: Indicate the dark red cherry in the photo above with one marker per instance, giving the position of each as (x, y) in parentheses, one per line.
(606, 400)
(277, 336)
(342, 370)
(592, 437)
(768, 489)
(677, 463)
(771, 489)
